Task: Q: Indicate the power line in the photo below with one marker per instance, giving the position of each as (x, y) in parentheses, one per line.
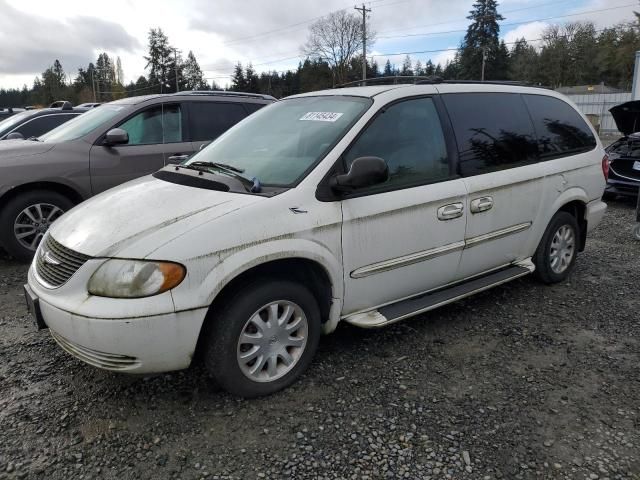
(528, 40)
(461, 20)
(514, 23)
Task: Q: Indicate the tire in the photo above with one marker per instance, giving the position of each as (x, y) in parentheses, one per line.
(222, 348)
(52, 205)
(547, 270)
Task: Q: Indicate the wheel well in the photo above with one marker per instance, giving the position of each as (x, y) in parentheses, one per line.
(302, 270)
(60, 188)
(578, 209)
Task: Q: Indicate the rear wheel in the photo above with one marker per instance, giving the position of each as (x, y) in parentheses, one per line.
(556, 254)
(263, 338)
(26, 218)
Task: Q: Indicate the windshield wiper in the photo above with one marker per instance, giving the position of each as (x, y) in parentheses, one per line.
(252, 184)
(224, 166)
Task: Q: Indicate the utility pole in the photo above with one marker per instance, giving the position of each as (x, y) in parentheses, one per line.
(175, 60)
(93, 85)
(364, 11)
(484, 59)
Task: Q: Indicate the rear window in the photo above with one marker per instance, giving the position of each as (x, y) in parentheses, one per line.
(493, 131)
(208, 120)
(560, 129)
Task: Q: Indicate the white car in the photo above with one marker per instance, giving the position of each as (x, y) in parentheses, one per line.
(366, 205)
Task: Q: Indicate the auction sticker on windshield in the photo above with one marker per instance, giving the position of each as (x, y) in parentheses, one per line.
(321, 116)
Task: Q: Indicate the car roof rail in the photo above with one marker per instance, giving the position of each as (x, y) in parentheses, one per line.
(429, 80)
(392, 80)
(514, 83)
(226, 93)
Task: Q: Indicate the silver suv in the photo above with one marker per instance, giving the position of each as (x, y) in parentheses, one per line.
(105, 147)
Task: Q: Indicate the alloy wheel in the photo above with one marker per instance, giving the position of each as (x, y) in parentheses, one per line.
(33, 222)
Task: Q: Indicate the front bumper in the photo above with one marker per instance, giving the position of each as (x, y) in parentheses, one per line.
(158, 343)
(134, 335)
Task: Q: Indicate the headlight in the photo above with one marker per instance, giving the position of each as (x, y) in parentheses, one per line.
(135, 278)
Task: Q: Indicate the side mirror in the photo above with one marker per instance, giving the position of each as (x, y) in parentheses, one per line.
(14, 136)
(116, 136)
(364, 172)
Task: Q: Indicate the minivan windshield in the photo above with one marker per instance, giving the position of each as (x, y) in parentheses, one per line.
(280, 143)
(82, 124)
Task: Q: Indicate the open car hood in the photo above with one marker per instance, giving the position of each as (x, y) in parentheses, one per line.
(627, 117)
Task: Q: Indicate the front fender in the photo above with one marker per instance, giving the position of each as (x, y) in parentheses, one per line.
(231, 263)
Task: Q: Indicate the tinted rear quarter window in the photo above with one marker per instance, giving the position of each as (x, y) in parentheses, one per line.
(493, 131)
(253, 107)
(208, 120)
(560, 129)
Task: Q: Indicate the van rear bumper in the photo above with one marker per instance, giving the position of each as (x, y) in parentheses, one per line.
(594, 213)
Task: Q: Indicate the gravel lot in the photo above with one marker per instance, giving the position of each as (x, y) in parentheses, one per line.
(523, 381)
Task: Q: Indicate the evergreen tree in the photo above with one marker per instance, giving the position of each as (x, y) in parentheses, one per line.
(419, 71)
(429, 68)
(523, 61)
(388, 69)
(481, 40)
(160, 61)
(407, 69)
(238, 80)
(251, 79)
(192, 75)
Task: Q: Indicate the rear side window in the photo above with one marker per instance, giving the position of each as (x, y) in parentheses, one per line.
(409, 137)
(560, 129)
(208, 120)
(493, 131)
(253, 107)
(42, 125)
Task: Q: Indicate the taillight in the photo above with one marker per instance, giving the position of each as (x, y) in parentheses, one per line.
(605, 166)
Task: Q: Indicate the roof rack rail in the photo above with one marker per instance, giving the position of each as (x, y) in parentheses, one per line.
(429, 80)
(226, 94)
(515, 83)
(393, 80)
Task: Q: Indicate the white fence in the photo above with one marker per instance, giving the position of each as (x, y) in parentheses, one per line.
(597, 106)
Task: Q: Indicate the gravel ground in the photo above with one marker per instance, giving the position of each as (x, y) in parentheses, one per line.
(523, 381)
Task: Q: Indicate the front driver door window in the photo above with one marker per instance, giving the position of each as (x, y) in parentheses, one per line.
(155, 136)
(394, 244)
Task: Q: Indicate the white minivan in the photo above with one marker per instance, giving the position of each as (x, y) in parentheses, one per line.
(366, 205)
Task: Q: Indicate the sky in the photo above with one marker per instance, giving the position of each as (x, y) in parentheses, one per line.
(269, 34)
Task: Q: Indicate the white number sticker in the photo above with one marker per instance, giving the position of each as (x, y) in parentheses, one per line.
(321, 116)
(636, 165)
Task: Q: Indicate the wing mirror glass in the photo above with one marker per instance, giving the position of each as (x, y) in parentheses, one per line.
(364, 172)
(15, 136)
(116, 136)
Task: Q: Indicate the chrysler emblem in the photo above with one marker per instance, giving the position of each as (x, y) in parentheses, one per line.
(48, 258)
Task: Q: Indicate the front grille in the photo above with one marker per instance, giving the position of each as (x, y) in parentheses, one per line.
(108, 361)
(623, 167)
(55, 263)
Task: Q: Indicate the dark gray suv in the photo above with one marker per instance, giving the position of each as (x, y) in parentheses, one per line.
(42, 178)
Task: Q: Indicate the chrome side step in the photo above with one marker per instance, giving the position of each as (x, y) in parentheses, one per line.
(437, 298)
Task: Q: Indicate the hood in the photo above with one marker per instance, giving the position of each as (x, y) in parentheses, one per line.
(21, 148)
(141, 215)
(627, 117)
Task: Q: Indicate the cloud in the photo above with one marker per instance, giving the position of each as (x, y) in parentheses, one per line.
(31, 43)
(528, 31)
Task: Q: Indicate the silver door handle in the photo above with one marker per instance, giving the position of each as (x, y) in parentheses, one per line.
(451, 211)
(481, 204)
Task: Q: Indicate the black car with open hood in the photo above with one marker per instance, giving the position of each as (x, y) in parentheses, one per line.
(624, 154)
